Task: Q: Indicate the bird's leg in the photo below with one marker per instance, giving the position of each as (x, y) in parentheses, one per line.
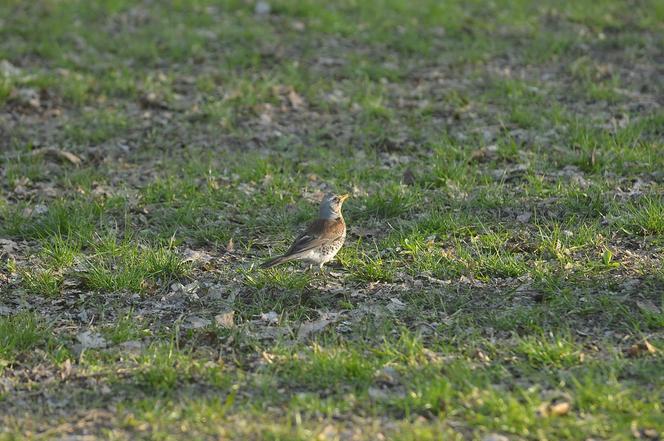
(322, 272)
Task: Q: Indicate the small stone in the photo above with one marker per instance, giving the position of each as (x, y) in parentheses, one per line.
(262, 8)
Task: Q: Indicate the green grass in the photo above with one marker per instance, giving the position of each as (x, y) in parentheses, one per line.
(21, 332)
(505, 227)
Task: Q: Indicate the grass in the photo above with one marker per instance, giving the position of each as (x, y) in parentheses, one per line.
(20, 333)
(505, 227)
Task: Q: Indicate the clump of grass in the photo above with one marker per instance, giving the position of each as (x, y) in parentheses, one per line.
(118, 265)
(549, 352)
(326, 367)
(42, 281)
(60, 251)
(21, 332)
(297, 280)
(645, 218)
(125, 329)
(66, 221)
(392, 201)
(162, 367)
(366, 266)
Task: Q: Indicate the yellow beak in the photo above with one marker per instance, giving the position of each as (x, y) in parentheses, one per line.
(343, 197)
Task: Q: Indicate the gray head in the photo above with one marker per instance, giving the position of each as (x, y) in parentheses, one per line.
(330, 206)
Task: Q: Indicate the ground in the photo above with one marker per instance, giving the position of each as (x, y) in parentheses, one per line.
(503, 271)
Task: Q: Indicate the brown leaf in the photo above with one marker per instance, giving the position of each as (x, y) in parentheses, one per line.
(482, 356)
(559, 408)
(295, 99)
(226, 319)
(642, 348)
(58, 155)
(66, 369)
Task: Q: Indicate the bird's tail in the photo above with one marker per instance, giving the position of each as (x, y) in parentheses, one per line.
(276, 261)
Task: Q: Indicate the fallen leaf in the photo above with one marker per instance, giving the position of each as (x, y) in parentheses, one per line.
(559, 408)
(225, 319)
(295, 99)
(58, 155)
(487, 153)
(642, 348)
(482, 356)
(66, 369)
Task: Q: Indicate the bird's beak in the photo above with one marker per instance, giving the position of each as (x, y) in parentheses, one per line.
(343, 197)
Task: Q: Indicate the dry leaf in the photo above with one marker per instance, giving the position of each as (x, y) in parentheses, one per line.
(58, 155)
(482, 356)
(642, 348)
(295, 99)
(559, 409)
(554, 409)
(66, 369)
(225, 319)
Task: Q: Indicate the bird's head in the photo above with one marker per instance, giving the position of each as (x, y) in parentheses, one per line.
(330, 207)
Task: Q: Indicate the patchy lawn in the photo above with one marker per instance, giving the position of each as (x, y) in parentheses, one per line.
(503, 271)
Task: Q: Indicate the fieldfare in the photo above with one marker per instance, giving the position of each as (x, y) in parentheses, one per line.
(322, 240)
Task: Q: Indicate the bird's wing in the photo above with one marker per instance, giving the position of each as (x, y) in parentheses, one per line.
(319, 233)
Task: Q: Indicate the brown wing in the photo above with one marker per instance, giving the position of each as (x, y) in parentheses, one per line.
(319, 233)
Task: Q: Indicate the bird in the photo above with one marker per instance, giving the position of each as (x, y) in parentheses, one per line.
(322, 240)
